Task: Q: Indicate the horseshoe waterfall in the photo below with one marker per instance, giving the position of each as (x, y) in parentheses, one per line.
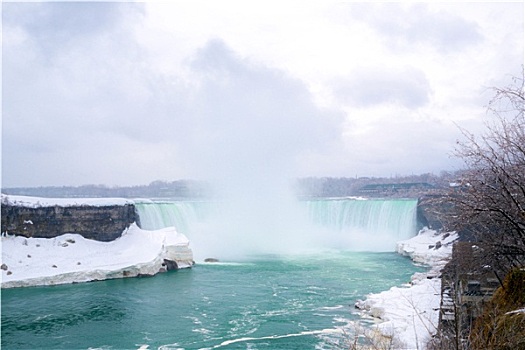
(284, 277)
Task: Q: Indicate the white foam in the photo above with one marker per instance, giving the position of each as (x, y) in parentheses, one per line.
(245, 339)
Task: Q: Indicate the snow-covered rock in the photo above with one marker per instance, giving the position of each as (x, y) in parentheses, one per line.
(37, 202)
(102, 219)
(409, 315)
(428, 247)
(72, 258)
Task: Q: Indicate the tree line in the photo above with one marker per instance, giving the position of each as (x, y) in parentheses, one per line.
(308, 187)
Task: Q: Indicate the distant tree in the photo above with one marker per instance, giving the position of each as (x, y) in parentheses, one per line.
(489, 201)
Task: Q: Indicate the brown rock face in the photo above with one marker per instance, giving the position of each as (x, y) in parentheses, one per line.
(104, 223)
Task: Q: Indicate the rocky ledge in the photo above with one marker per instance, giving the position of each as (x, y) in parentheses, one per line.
(102, 220)
(49, 241)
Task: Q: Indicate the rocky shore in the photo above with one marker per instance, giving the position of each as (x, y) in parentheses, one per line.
(407, 316)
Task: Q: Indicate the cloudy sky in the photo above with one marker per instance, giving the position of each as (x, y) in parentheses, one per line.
(128, 93)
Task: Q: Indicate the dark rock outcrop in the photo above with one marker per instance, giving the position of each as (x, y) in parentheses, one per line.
(170, 265)
(102, 223)
(428, 212)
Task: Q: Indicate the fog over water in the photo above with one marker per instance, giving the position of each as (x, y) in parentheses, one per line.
(241, 229)
(249, 145)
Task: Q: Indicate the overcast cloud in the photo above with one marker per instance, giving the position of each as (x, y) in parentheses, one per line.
(423, 25)
(125, 94)
(368, 86)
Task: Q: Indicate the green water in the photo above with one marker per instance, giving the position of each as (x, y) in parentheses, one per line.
(266, 303)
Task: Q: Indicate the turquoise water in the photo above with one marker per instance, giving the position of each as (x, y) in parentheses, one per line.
(270, 302)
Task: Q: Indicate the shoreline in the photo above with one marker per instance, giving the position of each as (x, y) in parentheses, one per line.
(408, 315)
(71, 258)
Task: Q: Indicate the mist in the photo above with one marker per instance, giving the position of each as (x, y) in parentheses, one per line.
(249, 147)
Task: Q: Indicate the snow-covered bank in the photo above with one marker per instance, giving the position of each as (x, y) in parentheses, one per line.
(409, 315)
(72, 258)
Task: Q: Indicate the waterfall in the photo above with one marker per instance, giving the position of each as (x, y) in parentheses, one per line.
(396, 218)
(393, 217)
(180, 214)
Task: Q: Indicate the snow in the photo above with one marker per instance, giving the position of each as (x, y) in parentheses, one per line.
(36, 202)
(409, 315)
(422, 248)
(518, 311)
(72, 258)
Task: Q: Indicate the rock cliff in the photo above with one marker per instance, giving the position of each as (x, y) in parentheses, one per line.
(101, 223)
(428, 211)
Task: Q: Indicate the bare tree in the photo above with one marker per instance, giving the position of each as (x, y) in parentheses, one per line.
(490, 201)
(487, 207)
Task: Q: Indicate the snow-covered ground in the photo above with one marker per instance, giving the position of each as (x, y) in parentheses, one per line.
(408, 316)
(72, 258)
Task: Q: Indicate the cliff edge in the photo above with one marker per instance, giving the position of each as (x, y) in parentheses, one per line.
(55, 241)
(98, 219)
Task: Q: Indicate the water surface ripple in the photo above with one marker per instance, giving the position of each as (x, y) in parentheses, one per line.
(268, 303)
